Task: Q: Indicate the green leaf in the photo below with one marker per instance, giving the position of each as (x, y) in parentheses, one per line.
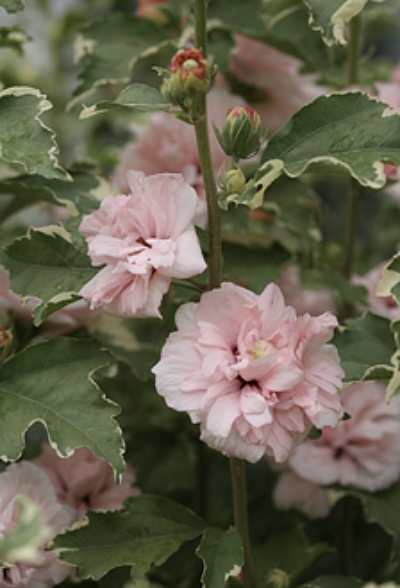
(13, 38)
(288, 550)
(334, 582)
(388, 285)
(282, 24)
(234, 15)
(331, 16)
(51, 382)
(383, 508)
(112, 46)
(219, 48)
(79, 196)
(256, 267)
(47, 266)
(339, 133)
(365, 348)
(290, 216)
(146, 532)
(343, 288)
(222, 554)
(287, 24)
(138, 96)
(26, 144)
(12, 6)
(393, 387)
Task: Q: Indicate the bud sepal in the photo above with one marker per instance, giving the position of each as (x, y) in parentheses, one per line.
(188, 76)
(242, 133)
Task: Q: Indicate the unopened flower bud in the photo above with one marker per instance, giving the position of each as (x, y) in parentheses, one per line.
(242, 133)
(277, 579)
(189, 74)
(233, 181)
(6, 341)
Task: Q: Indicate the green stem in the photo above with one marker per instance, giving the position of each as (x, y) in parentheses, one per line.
(200, 490)
(200, 22)
(207, 169)
(238, 476)
(346, 545)
(354, 50)
(210, 186)
(345, 539)
(214, 279)
(354, 195)
(354, 190)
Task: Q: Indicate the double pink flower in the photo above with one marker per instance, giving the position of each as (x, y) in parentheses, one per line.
(144, 239)
(249, 370)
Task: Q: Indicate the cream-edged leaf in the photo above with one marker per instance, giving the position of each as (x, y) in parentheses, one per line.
(26, 143)
(330, 17)
(147, 531)
(51, 382)
(342, 133)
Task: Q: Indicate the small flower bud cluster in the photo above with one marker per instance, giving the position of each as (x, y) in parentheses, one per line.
(242, 133)
(189, 75)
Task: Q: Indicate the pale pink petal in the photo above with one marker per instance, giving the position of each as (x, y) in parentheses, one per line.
(273, 310)
(292, 491)
(188, 258)
(222, 414)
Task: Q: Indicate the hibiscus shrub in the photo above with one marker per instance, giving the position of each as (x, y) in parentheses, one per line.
(200, 289)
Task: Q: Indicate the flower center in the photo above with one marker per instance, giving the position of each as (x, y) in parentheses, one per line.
(262, 348)
(190, 64)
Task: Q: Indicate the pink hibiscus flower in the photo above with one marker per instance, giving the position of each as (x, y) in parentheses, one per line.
(26, 479)
(145, 239)
(252, 373)
(314, 302)
(278, 78)
(382, 305)
(363, 451)
(84, 481)
(168, 144)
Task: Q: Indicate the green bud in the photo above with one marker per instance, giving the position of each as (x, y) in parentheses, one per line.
(242, 133)
(277, 579)
(233, 181)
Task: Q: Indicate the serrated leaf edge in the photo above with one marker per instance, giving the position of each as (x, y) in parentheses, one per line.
(338, 20)
(70, 451)
(43, 106)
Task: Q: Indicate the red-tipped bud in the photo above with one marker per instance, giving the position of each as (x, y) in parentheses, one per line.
(6, 341)
(189, 76)
(242, 133)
